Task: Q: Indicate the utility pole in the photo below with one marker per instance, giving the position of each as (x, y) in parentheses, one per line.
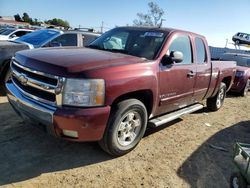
(102, 26)
(162, 20)
(226, 43)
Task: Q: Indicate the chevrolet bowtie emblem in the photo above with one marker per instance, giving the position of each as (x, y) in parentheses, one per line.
(22, 78)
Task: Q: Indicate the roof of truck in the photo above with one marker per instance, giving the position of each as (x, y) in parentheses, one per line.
(160, 29)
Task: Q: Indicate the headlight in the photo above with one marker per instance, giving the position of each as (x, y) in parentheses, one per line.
(239, 73)
(84, 92)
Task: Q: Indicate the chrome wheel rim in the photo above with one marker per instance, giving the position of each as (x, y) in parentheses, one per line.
(220, 98)
(129, 128)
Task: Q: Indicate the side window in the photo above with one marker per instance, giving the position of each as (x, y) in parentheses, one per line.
(19, 33)
(87, 39)
(182, 44)
(200, 51)
(65, 40)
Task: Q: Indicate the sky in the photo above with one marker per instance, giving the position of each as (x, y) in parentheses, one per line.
(217, 20)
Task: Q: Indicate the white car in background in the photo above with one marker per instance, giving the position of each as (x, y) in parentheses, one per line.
(241, 38)
(13, 34)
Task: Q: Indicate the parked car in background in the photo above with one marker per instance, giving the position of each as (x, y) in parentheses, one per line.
(73, 38)
(32, 40)
(13, 34)
(109, 91)
(241, 38)
(242, 78)
(39, 39)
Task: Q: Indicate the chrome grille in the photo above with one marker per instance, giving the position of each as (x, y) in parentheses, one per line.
(37, 85)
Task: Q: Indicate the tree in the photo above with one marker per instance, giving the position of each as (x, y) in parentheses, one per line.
(18, 18)
(58, 22)
(152, 18)
(27, 19)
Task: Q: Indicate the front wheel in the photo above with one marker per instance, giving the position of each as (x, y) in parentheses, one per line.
(126, 127)
(6, 73)
(215, 103)
(237, 42)
(237, 181)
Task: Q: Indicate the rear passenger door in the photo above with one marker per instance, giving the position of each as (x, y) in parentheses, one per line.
(203, 70)
(177, 80)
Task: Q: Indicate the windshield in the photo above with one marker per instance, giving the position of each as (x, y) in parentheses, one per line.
(38, 38)
(7, 31)
(137, 42)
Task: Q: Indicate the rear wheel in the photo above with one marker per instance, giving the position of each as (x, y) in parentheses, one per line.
(216, 102)
(244, 91)
(126, 127)
(237, 181)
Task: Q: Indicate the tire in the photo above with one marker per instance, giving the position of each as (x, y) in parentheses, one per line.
(237, 181)
(216, 102)
(4, 77)
(237, 42)
(244, 91)
(126, 127)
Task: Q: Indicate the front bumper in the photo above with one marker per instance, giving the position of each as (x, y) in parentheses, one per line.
(89, 123)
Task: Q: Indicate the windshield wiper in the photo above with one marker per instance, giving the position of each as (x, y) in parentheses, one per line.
(110, 50)
(117, 50)
(95, 47)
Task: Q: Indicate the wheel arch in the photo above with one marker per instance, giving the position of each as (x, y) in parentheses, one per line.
(145, 96)
(228, 81)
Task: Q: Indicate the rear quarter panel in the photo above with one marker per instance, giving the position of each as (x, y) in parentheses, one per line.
(221, 70)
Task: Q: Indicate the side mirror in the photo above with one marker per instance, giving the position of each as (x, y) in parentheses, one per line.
(176, 56)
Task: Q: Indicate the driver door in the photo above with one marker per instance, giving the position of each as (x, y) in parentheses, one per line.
(177, 79)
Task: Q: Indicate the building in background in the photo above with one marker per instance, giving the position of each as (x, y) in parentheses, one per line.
(9, 21)
(218, 53)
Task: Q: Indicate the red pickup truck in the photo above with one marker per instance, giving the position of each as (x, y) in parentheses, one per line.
(241, 83)
(109, 92)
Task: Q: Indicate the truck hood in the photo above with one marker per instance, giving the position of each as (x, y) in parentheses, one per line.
(8, 49)
(72, 60)
(11, 44)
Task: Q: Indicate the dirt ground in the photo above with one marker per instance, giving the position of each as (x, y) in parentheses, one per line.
(178, 154)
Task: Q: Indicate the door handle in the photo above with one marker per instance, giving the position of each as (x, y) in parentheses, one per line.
(191, 74)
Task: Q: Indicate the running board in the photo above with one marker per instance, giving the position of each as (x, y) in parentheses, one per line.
(174, 115)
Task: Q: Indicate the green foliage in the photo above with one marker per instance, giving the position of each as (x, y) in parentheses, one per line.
(27, 19)
(152, 18)
(58, 22)
(54, 21)
(18, 18)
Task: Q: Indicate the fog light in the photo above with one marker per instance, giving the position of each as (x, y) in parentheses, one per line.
(70, 133)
